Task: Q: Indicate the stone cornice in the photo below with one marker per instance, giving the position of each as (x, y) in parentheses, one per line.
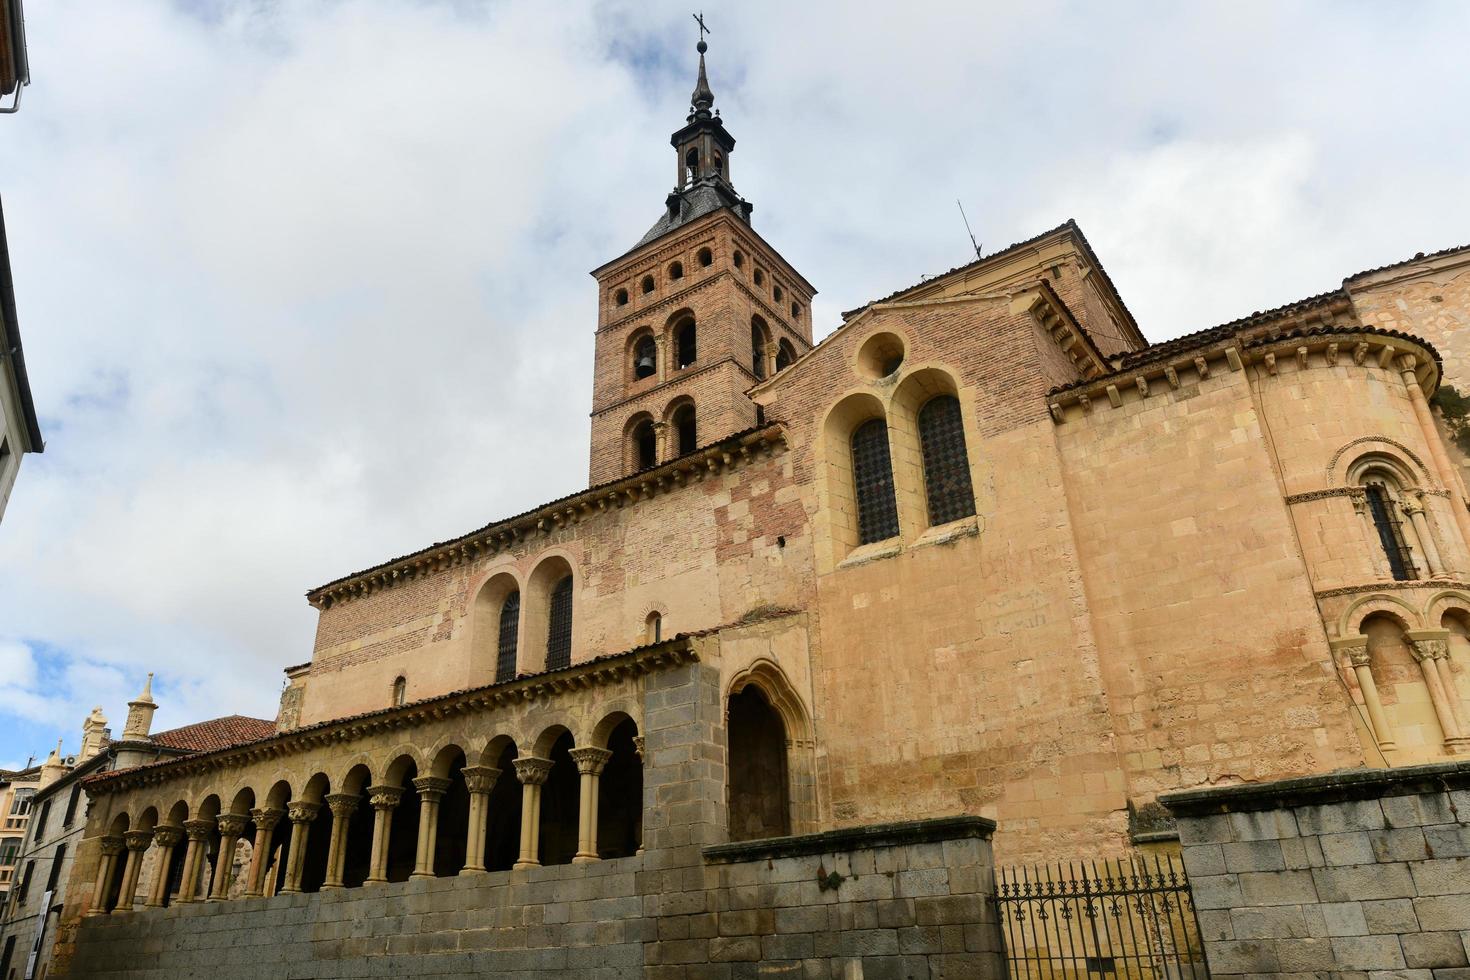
(1427, 583)
(1318, 347)
(1351, 492)
(727, 454)
(598, 672)
(1071, 338)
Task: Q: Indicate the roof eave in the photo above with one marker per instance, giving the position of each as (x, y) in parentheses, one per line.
(10, 347)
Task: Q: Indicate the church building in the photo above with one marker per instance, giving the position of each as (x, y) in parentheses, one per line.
(981, 552)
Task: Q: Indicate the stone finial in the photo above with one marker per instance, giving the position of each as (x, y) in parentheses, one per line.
(94, 734)
(140, 713)
(53, 768)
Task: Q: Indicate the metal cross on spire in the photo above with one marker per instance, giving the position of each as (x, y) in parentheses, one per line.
(699, 17)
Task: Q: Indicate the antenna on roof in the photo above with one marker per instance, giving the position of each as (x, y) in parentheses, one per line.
(967, 228)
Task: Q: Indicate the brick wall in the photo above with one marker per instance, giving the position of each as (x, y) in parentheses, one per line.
(1355, 874)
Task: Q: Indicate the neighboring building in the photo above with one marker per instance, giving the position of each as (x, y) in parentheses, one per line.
(982, 552)
(58, 814)
(16, 792)
(15, 72)
(21, 432)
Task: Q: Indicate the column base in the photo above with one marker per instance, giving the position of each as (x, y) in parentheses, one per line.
(423, 874)
(375, 881)
(331, 885)
(522, 865)
(477, 870)
(1388, 746)
(95, 912)
(288, 890)
(585, 858)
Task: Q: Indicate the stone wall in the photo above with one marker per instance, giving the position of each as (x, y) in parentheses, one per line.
(1355, 874)
(899, 901)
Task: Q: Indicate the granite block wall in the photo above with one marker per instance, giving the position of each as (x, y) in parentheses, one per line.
(1358, 874)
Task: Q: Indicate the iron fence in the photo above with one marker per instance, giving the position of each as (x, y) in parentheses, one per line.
(1127, 918)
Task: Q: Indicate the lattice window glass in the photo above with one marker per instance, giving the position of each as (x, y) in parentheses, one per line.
(1390, 533)
(505, 649)
(872, 477)
(946, 463)
(559, 629)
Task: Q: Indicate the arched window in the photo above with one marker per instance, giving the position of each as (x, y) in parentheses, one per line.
(676, 270)
(1384, 506)
(400, 691)
(505, 650)
(559, 626)
(776, 293)
(795, 311)
(653, 628)
(647, 285)
(872, 477)
(739, 259)
(685, 352)
(621, 297)
(785, 354)
(645, 446)
(691, 165)
(946, 463)
(706, 257)
(759, 801)
(719, 167)
(685, 425)
(758, 347)
(760, 278)
(645, 358)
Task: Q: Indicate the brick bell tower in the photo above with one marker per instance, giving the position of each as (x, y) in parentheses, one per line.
(693, 316)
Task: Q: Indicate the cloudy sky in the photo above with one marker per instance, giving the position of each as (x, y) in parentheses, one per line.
(304, 286)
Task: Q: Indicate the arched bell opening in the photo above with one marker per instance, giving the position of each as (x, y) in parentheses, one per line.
(620, 795)
(503, 827)
(560, 801)
(759, 796)
(454, 815)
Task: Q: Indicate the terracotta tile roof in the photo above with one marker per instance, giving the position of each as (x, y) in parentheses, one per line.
(1418, 257)
(217, 733)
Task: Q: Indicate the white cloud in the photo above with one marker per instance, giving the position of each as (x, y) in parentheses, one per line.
(304, 287)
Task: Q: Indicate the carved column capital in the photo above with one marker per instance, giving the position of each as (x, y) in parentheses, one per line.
(343, 805)
(232, 824)
(138, 840)
(168, 836)
(431, 787)
(480, 779)
(1359, 498)
(112, 845)
(301, 811)
(532, 771)
(1428, 649)
(267, 817)
(384, 797)
(198, 828)
(638, 746)
(590, 759)
(1357, 653)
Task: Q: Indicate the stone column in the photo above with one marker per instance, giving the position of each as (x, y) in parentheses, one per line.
(198, 832)
(532, 773)
(1414, 510)
(1356, 650)
(661, 441)
(431, 791)
(1426, 651)
(638, 749)
(1438, 656)
(343, 806)
(1374, 547)
(590, 762)
(1447, 472)
(301, 814)
(167, 838)
(479, 780)
(661, 343)
(383, 799)
(137, 842)
(265, 819)
(231, 828)
(111, 846)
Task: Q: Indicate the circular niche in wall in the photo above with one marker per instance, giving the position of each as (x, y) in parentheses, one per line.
(880, 356)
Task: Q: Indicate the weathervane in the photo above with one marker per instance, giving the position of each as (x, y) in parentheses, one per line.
(699, 18)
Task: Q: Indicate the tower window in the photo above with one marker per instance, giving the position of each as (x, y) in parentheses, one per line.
(776, 293)
(739, 260)
(559, 627)
(505, 650)
(946, 463)
(645, 358)
(647, 285)
(653, 628)
(400, 691)
(645, 446)
(760, 278)
(872, 477)
(685, 425)
(785, 354)
(795, 311)
(621, 297)
(684, 344)
(1390, 532)
(758, 347)
(706, 257)
(719, 167)
(691, 165)
(676, 270)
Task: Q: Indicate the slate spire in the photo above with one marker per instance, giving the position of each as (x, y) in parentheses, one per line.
(703, 98)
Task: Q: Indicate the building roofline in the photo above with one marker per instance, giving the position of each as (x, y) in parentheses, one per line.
(11, 351)
(1417, 257)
